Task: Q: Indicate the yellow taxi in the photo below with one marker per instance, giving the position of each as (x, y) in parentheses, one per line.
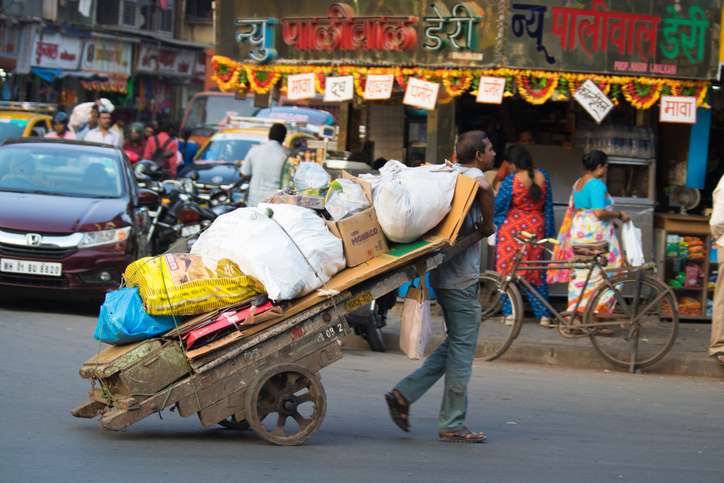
(25, 119)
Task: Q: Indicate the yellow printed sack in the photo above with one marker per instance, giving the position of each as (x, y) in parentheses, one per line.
(180, 284)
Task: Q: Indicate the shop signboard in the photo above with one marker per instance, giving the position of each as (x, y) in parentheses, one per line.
(625, 37)
(421, 93)
(378, 87)
(593, 100)
(490, 90)
(55, 51)
(678, 109)
(166, 61)
(107, 56)
(300, 86)
(338, 89)
(9, 43)
(394, 32)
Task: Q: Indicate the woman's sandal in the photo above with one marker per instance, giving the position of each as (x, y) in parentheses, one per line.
(399, 409)
(463, 435)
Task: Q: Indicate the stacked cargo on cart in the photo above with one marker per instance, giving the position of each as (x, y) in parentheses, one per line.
(255, 363)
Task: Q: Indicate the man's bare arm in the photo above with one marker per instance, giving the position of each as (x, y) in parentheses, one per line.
(486, 199)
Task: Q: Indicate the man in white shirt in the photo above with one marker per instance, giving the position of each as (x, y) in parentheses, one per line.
(263, 164)
(716, 222)
(103, 133)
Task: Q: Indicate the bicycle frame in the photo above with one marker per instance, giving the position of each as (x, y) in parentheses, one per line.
(542, 265)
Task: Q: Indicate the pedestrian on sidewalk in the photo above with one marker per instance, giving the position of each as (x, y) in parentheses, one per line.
(716, 222)
(60, 127)
(103, 133)
(263, 166)
(456, 283)
(524, 203)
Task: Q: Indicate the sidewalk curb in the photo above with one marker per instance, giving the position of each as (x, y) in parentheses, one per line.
(562, 355)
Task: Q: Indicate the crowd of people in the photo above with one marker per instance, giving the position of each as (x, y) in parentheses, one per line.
(156, 141)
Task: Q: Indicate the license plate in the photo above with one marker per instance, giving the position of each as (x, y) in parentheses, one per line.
(190, 230)
(29, 267)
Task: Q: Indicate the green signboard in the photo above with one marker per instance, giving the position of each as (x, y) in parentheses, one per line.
(668, 38)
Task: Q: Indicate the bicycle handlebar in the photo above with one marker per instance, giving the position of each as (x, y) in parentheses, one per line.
(531, 238)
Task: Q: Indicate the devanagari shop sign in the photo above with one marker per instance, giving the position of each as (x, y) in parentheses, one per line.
(627, 37)
(491, 90)
(338, 89)
(421, 93)
(593, 100)
(378, 86)
(300, 86)
(678, 109)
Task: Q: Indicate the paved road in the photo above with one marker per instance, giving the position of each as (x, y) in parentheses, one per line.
(546, 425)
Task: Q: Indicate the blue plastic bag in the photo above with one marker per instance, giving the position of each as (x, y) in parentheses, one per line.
(123, 319)
(402, 291)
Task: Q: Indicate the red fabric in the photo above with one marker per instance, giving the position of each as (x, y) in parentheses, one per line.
(135, 148)
(524, 215)
(151, 147)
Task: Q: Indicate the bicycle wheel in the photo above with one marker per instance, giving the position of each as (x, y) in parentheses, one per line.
(641, 335)
(496, 335)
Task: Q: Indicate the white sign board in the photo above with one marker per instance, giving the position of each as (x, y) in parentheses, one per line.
(339, 89)
(678, 109)
(107, 56)
(421, 93)
(300, 86)
(490, 90)
(593, 100)
(56, 51)
(172, 62)
(378, 86)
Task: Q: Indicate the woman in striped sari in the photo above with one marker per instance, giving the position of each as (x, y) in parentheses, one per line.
(589, 220)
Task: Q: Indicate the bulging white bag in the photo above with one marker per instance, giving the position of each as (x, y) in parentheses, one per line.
(409, 202)
(632, 245)
(310, 176)
(415, 323)
(262, 247)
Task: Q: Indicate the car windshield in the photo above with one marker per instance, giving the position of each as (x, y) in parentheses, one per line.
(226, 149)
(210, 110)
(11, 128)
(63, 170)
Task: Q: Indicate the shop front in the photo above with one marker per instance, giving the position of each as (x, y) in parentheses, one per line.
(631, 78)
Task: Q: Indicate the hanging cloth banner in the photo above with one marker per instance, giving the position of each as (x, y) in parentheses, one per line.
(698, 149)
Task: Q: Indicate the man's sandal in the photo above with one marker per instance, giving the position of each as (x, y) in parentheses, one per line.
(399, 409)
(463, 435)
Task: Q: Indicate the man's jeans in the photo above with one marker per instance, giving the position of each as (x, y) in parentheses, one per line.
(453, 358)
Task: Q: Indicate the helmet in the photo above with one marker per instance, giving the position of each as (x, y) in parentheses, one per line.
(137, 127)
(61, 118)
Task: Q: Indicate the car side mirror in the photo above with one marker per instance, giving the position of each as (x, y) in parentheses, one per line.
(147, 197)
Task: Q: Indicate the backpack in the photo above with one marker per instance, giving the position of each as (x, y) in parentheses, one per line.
(162, 155)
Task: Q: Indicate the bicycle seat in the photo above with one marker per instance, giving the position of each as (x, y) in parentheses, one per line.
(586, 251)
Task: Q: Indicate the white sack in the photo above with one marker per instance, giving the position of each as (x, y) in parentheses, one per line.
(411, 201)
(262, 249)
(81, 112)
(345, 198)
(415, 323)
(632, 244)
(310, 176)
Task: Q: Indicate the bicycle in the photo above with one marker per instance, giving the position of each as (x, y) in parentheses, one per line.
(629, 333)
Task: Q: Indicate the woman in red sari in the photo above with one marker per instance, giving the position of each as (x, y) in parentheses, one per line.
(524, 203)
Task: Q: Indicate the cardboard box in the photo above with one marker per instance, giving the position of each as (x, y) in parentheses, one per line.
(361, 234)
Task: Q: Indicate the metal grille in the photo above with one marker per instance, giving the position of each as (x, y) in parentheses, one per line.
(35, 252)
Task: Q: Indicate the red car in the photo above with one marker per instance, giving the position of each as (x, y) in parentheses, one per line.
(71, 215)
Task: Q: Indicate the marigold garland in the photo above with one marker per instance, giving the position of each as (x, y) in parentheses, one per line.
(536, 90)
(641, 95)
(455, 85)
(534, 86)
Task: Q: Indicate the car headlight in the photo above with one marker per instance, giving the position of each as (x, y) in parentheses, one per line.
(104, 237)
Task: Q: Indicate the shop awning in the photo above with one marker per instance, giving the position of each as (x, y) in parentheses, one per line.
(49, 75)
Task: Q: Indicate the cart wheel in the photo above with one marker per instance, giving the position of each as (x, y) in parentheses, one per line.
(232, 423)
(286, 405)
